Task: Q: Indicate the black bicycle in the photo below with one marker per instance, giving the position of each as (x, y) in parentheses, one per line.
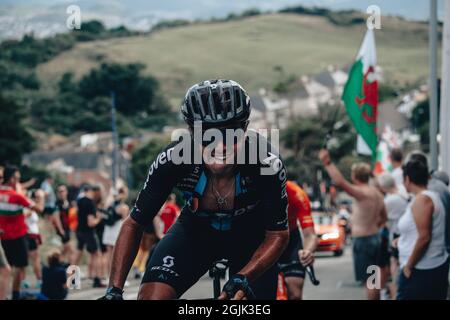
(219, 269)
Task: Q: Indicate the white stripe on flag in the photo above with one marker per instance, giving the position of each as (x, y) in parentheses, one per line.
(362, 147)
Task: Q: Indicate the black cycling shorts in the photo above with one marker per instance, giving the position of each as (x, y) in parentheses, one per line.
(190, 248)
(289, 261)
(89, 240)
(16, 251)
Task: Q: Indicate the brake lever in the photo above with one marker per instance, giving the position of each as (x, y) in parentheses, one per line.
(312, 275)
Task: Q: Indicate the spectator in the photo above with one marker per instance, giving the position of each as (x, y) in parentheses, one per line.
(167, 216)
(86, 235)
(422, 253)
(396, 203)
(50, 197)
(54, 278)
(12, 222)
(62, 222)
(396, 156)
(116, 214)
(369, 215)
(102, 213)
(5, 271)
(34, 237)
(437, 185)
(441, 176)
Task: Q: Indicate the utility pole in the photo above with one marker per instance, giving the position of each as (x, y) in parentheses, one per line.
(115, 138)
(433, 85)
(445, 92)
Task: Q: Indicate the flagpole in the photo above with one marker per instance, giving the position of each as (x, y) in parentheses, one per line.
(445, 92)
(433, 86)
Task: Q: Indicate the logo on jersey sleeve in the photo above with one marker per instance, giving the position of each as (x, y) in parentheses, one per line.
(168, 261)
(163, 158)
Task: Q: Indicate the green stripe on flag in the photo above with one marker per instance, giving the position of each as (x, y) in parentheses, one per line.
(353, 91)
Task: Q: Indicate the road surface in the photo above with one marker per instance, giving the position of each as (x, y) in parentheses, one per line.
(335, 275)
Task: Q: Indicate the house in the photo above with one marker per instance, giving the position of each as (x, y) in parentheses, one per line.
(90, 160)
(303, 99)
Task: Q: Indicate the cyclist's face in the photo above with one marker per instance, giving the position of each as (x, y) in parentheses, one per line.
(220, 147)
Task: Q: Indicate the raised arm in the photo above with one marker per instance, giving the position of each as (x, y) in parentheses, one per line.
(337, 176)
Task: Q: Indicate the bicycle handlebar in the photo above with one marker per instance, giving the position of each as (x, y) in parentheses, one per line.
(312, 275)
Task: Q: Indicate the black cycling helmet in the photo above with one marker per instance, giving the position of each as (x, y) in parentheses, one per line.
(216, 103)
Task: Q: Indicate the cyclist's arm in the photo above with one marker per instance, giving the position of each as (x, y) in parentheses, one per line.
(307, 223)
(266, 255)
(310, 239)
(162, 177)
(157, 223)
(125, 251)
(274, 212)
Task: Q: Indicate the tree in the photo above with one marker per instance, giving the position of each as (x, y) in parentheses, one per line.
(143, 158)
(305, 136)
(134, 93)
(15, 140)
(421, 122)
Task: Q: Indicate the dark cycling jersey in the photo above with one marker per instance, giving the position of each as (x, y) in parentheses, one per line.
(198, 238)
(263, 197)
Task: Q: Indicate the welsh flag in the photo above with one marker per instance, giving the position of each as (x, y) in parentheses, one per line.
(361, 93)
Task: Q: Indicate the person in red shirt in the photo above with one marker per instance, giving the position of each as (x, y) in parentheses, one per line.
(297, 257)
(12, 223)
(166, 216)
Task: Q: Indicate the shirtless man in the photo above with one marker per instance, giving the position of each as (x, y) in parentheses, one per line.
(369, 215)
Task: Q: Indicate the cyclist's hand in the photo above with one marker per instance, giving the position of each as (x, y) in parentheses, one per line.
(306, 257)
(240, 295)
(237, 288)
(113, 294)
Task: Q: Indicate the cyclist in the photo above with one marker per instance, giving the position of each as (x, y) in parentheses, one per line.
(233, 211)
(296, 256)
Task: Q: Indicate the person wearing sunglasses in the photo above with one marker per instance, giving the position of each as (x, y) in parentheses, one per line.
(236, 205)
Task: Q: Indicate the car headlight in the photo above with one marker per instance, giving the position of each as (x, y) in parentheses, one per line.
(331, 235)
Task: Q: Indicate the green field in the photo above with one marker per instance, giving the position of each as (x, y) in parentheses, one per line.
(247, 51)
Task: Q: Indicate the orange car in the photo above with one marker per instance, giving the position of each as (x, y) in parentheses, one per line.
(330, 231)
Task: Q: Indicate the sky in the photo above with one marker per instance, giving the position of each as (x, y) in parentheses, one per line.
(44, 17)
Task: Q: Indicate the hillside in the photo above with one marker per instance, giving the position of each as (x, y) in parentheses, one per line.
(247, 50)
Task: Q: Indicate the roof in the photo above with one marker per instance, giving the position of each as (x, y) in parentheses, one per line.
(325, 79)
(389, 115)
(78, 160)
(300, 93)
(258, 103)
